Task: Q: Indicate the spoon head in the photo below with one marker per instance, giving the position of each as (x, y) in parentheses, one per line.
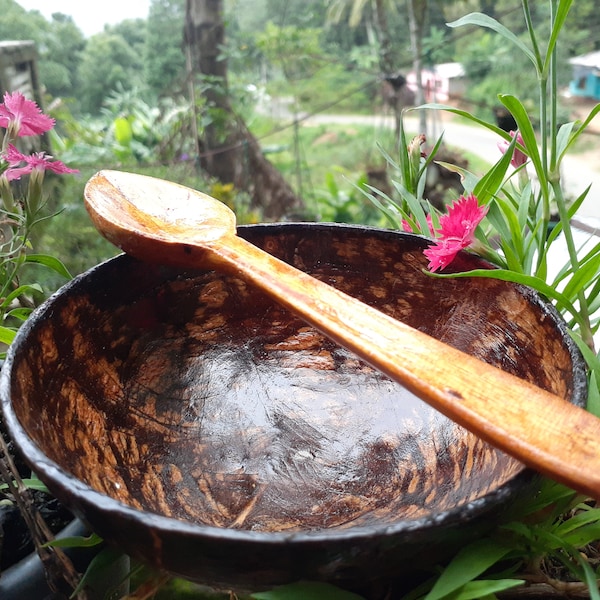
(152, 219)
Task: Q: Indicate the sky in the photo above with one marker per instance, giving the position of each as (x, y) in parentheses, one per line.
(91, 17)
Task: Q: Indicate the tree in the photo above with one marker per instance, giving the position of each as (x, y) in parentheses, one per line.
(388, 63)
(63, 48)
(228, 151)
(164, 62)
(108, 62)
(417, 11)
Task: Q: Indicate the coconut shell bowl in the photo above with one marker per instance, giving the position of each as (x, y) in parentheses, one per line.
(203, 429)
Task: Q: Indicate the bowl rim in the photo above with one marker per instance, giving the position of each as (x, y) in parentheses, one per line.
(80, 494)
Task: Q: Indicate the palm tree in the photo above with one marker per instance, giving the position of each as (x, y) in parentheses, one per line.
(417, 11)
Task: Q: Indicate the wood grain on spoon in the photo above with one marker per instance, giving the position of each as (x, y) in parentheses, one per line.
(159, 221)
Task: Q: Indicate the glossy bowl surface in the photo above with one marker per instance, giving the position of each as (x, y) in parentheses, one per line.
(207, 431)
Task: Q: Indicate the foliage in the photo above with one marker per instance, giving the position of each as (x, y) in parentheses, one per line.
(127, 131)
(297, 51)
(108, 61)
(306, 590)
(338, 205)
(164, 62)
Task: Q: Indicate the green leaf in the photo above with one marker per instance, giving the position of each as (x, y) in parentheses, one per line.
(33, 288)
(469, 180)
(417, 212)
(51, 262)
(21, 313)
(476, 590)
(582, 127)
(482, 20)
(306, 590)
(469, 563)
(591, 578)
(7, 335)
(391, 210)
(529, 280)
(585, 273)
(593, 400)
(492, 181)
(31, 483)
(123, 131)
(580, 529)
(563, 138)
(518, 111)
(102, 561)
(466, 115)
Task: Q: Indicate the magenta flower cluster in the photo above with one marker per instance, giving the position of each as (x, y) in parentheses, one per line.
(22, 117)
(456, 231)
(457, 227)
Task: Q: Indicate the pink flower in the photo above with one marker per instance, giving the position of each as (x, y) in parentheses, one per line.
(22, 116)
(457, 231)
(519, 157)
(38, 161)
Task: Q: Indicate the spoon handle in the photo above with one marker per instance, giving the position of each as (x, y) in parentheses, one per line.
(539, 428)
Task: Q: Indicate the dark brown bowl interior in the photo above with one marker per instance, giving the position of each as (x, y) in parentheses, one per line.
(208, 431)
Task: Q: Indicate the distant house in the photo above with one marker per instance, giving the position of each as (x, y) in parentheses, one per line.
(441, 83)
(586, 76)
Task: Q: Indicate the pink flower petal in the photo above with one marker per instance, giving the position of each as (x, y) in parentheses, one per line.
(23, 115)
(39, 161)
(456, 232)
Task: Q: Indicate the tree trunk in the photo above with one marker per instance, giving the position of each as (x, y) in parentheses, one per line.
(386, 64)
(417, 10)
(228, 151)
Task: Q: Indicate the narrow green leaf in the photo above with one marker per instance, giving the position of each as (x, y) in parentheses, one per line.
(518, 111)
(476, 590)
(466, 115)
(31, 483)
(417, 212)
(7, 335)
(581, 128)
(563, 138)
(33, 288)
(51, 262)
(487, 187)
(306, 590)
(591, 578)
(97, 567)
(470, 562)
(593, 400)
(583, 536)
(21, 313)
(586, 273)
(482, 20)
(469, 180)
(390, 209)
(529, 280)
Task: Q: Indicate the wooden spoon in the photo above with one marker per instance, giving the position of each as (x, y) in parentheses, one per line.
(155, 220)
